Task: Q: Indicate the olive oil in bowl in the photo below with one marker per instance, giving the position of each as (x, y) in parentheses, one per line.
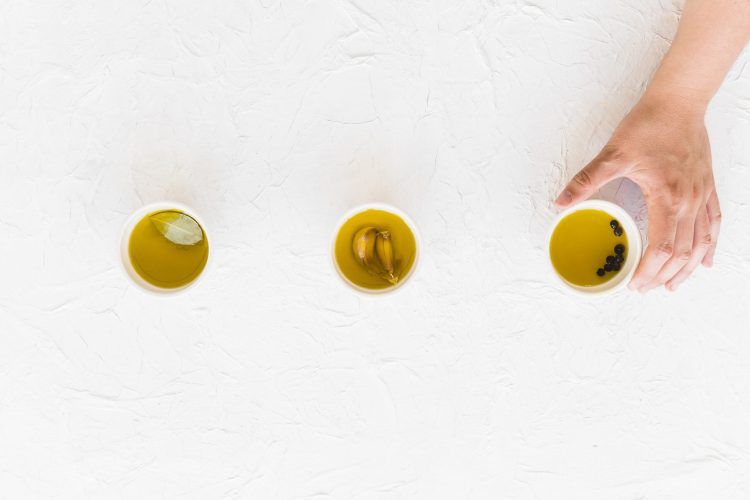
(594, 247)
(165, 248)
(375, 248)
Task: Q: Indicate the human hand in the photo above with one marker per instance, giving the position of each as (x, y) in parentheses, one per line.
(662, 145)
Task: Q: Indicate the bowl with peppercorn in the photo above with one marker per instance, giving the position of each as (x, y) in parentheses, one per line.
(594, 247)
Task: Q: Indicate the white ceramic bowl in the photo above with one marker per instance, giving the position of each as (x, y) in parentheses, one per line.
(404, 279)
(127, 266)
(635, 247)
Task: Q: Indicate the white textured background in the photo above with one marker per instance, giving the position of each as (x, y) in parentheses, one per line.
(273, 381)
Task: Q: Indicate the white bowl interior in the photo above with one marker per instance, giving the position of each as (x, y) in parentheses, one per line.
(635, 247)
(127, 266)
(386, 208)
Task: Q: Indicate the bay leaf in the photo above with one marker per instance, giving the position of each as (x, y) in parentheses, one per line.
(178, 227)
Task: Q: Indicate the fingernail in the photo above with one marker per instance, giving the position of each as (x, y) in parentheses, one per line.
(564, 198)
(672, 286)
(643, 289)
(632, 285)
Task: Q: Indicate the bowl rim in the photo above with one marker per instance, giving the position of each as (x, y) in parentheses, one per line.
(126, 266)
(635, 250)
(403, 282)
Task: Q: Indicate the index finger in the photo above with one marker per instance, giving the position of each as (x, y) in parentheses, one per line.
(662, 228)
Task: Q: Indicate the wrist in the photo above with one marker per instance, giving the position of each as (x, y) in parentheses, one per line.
(681, 102)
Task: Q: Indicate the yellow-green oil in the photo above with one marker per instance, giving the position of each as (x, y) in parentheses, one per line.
(404, 247)
(580, 245)
(159, 261)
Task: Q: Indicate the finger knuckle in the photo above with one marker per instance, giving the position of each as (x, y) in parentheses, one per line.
(672, 197)
(665, 249)
(677, 198)
(583, 179)
(706, 240)
(683, 256)
(715, 217)
(612, 153)
(673, 186)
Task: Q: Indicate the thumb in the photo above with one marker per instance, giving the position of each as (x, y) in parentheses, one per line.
(586, 182)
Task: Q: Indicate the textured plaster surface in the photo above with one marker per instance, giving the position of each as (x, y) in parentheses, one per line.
(271, 380)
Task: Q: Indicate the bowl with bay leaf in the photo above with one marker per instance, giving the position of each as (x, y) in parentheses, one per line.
(164, 248)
